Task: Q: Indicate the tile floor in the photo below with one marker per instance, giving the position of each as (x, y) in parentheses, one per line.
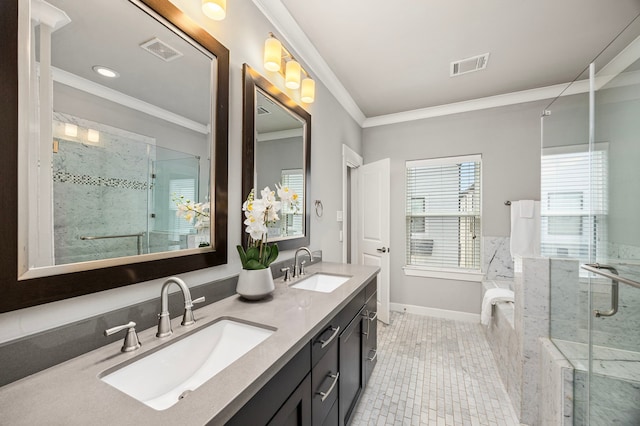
(433, 371)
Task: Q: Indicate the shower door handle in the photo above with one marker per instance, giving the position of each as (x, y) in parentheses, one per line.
(613, 276)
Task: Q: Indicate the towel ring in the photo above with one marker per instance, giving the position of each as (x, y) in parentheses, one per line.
(319, 208)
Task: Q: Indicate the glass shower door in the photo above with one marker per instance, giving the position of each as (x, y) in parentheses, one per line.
(614, 332)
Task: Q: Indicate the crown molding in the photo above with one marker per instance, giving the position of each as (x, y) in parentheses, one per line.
(524, 96)
(298, 41)
(109, 94)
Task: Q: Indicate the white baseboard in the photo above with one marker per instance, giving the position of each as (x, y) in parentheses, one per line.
(434, 312)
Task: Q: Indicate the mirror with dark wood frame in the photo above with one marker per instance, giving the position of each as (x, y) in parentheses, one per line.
(200, 162)
(276, 149)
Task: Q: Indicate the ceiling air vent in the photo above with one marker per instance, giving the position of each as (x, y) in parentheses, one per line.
(464, 66)
(262, 110)
(162, 50)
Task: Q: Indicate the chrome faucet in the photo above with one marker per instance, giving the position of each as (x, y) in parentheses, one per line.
(164, 321)
(298, 268)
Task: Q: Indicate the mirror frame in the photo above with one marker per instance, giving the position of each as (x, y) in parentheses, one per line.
(17, 294)
(252, 81)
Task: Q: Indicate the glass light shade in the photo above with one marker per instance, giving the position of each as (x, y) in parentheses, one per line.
(70, 130)
(93, 135)
(215, 9)
(272, 54)
(292, 75)
(308, 91)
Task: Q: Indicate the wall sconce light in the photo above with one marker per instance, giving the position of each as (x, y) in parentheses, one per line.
(93, 135)
(70, 130)
(275, 55)
(272, 54)
(215, 9)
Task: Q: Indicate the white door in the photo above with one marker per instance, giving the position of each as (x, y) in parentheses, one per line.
(373, 224)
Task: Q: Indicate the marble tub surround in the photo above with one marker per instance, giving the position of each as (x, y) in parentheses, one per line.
(504, 344)
(532, 288)
(496, 258)
(297, 315)
(31, 354)
(555, 387)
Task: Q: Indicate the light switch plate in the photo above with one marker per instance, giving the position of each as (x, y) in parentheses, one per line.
(339, 216)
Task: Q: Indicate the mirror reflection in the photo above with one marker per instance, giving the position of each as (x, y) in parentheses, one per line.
(276, 149)
(279, 159)
(119, 158)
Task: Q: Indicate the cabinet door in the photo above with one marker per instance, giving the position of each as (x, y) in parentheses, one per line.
(370, 344)
(296, 411)
(351, 371)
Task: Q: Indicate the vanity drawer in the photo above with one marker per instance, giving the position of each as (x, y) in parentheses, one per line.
(325, 340)
(324, 385)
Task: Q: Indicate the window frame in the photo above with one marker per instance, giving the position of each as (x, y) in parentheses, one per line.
(457, 273)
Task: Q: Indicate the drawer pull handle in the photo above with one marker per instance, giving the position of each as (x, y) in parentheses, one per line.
(375, 355)
(326, 394)
(330, 339)
(374, 317)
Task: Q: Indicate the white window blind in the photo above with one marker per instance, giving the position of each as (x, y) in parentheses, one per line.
(443, 213)
(292, 215)
(178, 225)
(574, 202)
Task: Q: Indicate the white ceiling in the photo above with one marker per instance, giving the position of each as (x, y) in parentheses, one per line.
(381, 57)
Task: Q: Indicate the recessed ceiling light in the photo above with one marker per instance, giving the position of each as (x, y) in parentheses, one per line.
(105, 72)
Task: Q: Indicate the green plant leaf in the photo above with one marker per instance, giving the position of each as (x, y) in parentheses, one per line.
(254, 264)
(243, 256)
(273, 255)
(253, 253)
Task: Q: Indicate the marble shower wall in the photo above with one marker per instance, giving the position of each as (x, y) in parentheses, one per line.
(99, 189)
(570, 310)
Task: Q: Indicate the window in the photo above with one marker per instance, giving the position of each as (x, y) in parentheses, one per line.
(443, 213)
(573, 210)
(179, 226)
(292, 215)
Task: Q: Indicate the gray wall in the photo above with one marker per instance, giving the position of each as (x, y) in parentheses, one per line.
(508, 138)
(243, 32)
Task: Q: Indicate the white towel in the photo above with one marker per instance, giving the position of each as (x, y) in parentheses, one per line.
(526, 208)
(525, 231)
(491, 297)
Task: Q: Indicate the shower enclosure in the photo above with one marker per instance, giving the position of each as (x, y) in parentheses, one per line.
(590, 199)
(114, 193)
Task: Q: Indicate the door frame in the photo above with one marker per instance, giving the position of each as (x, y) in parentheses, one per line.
(351, 161)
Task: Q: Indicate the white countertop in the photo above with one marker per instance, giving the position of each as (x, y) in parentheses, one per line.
(71, 393)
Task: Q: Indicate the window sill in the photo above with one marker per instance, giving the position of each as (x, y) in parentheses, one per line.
(414, 271)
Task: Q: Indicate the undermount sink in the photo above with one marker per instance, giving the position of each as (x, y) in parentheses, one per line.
(324, 283)
(167, 375)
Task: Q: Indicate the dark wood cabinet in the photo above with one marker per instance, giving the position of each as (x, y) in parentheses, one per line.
(322, 384)
(370, 340)
(351, 368)
(285, 398)
(296, 411)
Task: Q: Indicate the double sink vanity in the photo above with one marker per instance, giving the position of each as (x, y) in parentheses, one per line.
(304, 354)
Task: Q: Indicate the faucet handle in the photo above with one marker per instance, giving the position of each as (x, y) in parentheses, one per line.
(287, 271)
(188, 318)
(131, 341)
(301, 272)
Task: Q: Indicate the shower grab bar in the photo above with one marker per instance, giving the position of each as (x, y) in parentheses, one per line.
(138, 236)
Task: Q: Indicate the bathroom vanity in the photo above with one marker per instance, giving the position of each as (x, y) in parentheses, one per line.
(311, 369)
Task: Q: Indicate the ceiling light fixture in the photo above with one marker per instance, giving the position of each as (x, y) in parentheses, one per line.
(275, 55)
(215, 9)
(105, 72)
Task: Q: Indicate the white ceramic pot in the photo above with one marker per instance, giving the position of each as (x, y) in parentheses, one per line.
(255, 284)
